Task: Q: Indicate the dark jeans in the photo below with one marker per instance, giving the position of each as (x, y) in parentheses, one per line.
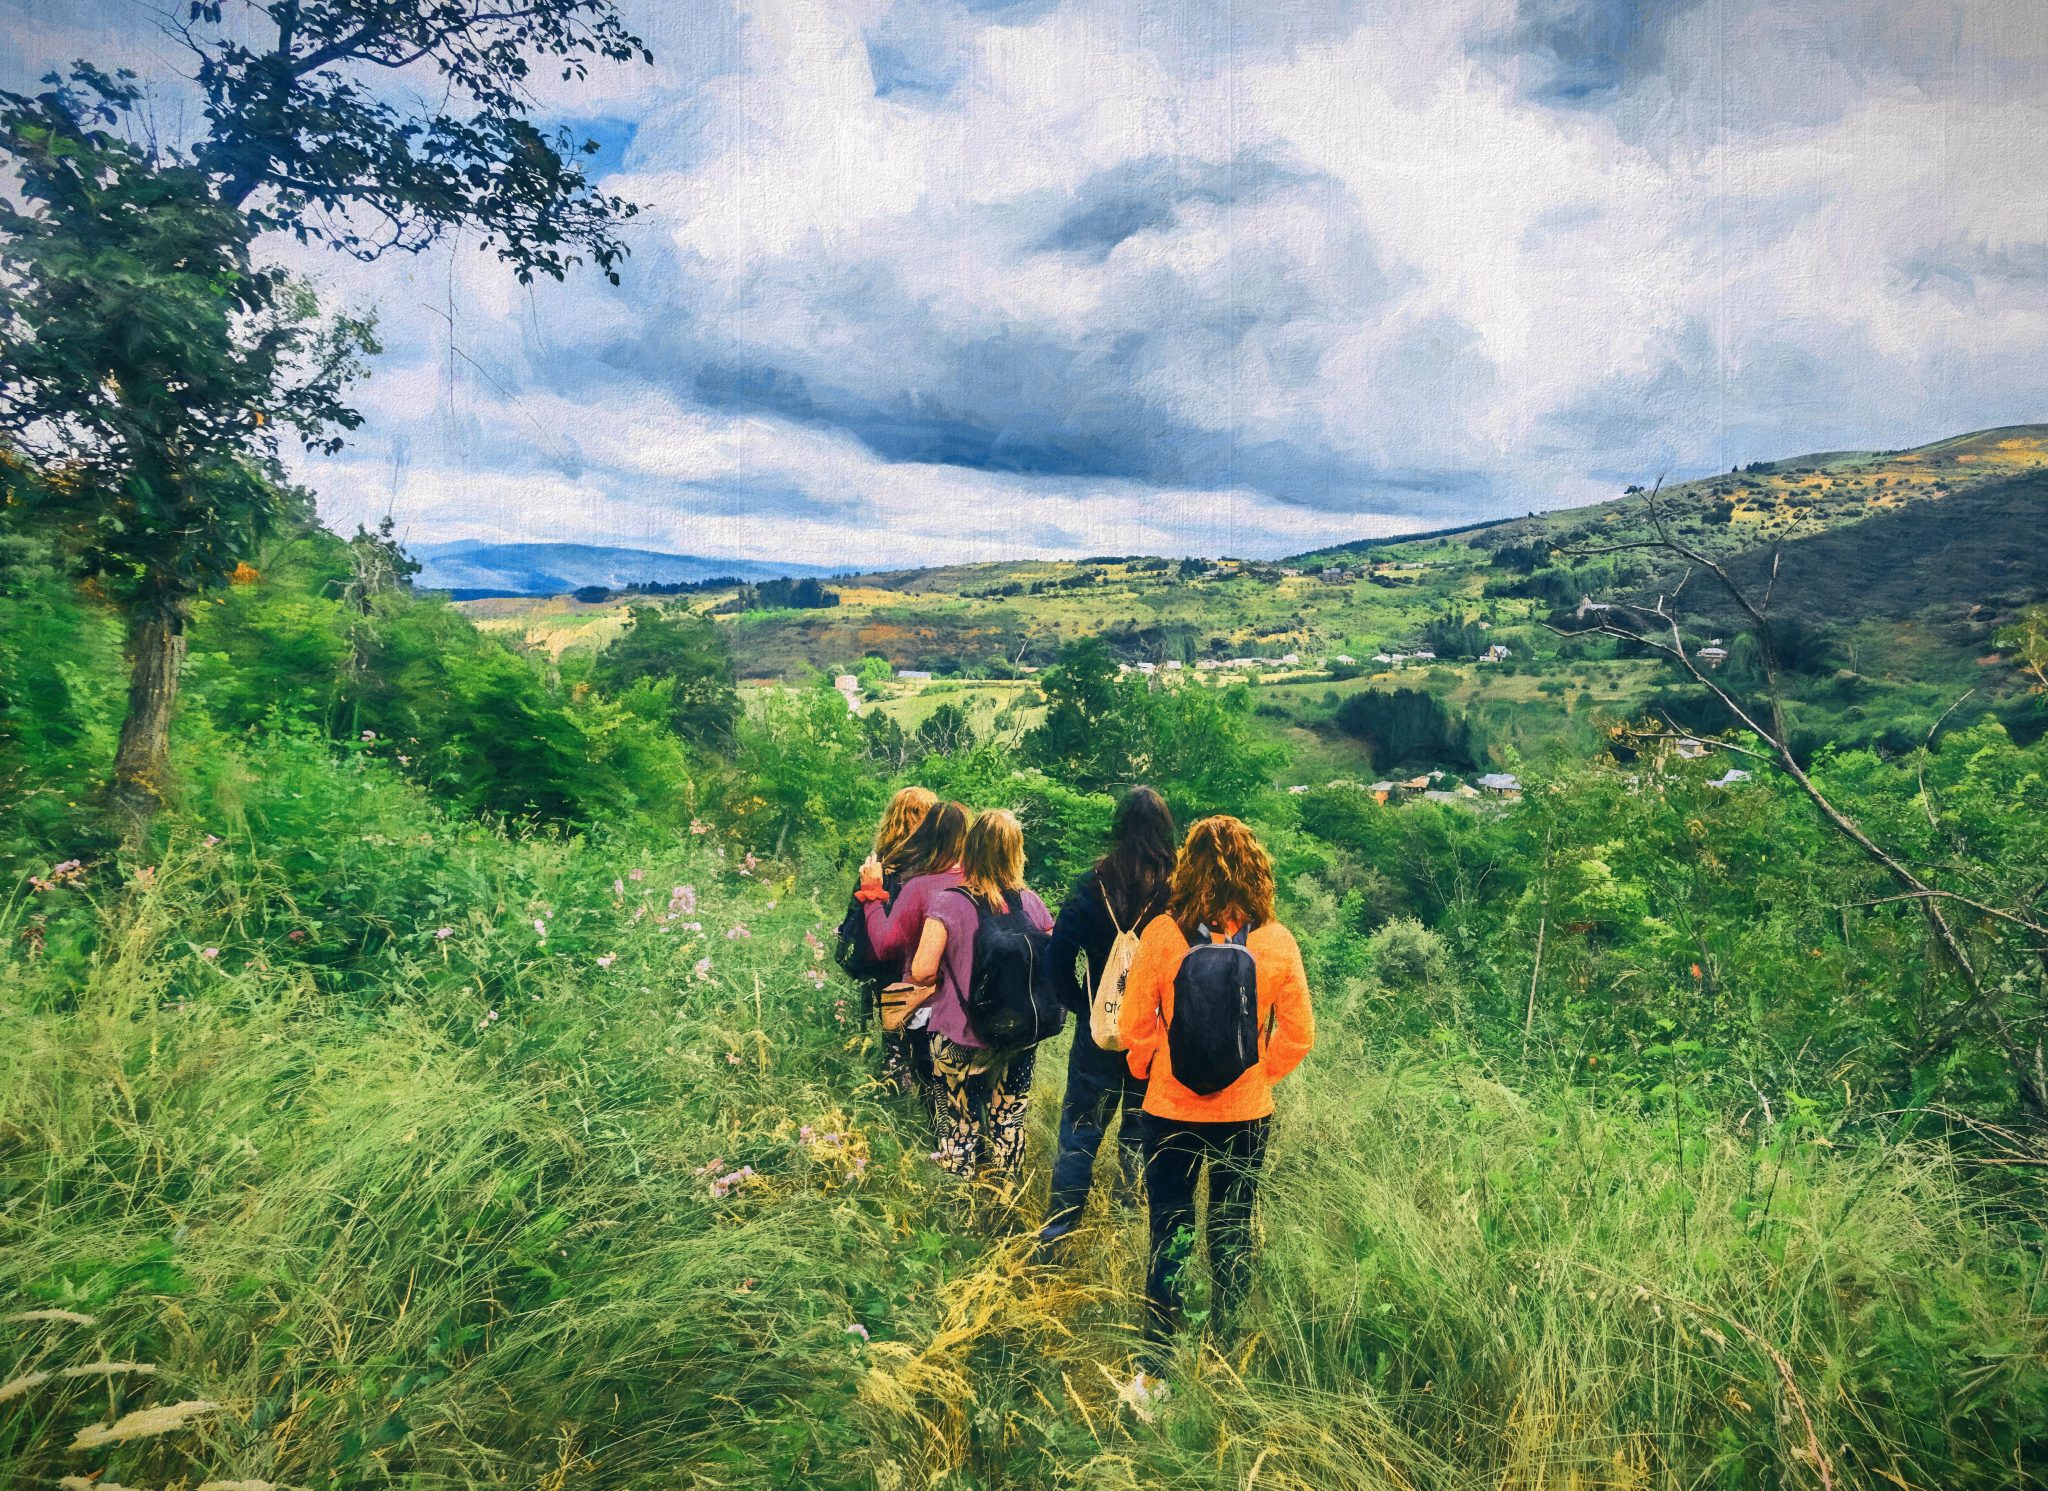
(1175, 1153)
(1099, 1084)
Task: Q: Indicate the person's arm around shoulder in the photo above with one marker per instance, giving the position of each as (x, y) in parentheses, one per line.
(1139, 1023)
(931, 952)
(1294, 1022)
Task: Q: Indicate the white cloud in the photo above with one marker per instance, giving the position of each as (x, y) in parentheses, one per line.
(1344, 270)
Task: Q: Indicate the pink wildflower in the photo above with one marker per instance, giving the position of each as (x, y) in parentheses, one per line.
(636, 875)
(209, 953)
(442, 934)
(703, 968)
(541, 928)
(857, 1329)
(605, 960)
(737, 931)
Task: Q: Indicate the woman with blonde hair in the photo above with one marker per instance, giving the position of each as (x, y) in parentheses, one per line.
(982, 1086)
(1216, 1011)
(869, 968)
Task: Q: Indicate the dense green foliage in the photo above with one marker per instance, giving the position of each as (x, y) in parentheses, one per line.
(390, 1098)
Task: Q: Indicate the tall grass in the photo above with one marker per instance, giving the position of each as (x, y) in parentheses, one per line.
(301, 1211)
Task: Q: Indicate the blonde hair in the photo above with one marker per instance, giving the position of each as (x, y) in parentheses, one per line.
(1224, 875)
(992, 864)
(906, 810)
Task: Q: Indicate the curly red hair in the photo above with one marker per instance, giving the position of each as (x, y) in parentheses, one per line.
(1224, 876)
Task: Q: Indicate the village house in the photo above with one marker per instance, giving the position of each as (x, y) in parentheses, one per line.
(1500, 784)
(1497, 653)
(913, 675)
(849, 690)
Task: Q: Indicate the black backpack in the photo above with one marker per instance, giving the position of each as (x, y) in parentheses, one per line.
(1010, 999)
(1213, 1037)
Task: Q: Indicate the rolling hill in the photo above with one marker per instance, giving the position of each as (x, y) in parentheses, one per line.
(469, 568)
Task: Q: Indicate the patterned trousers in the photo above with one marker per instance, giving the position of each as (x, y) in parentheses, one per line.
(982, 1098)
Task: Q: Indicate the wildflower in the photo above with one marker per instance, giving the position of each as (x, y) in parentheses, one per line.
(682, 900)
(703, 968)
(816, 976)
(636, 875)
(492, 1017)
(369, 735)
(297, 934)
(857, 1329)
(737, 931)
(618, 886)
(699, 827)
(405, 760)
(68, 873)
(541, 927)
(209, 953)
(749, 864)
(804, 1134)
(146, 876)
(442, 934)
(732, 1058)
(605, 960)
(212, 839)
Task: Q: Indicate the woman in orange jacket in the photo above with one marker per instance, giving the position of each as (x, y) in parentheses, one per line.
(1233, 976)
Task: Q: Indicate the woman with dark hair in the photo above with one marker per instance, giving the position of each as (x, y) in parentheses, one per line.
(1100, 922)
(895, 898)
(1216, 1011)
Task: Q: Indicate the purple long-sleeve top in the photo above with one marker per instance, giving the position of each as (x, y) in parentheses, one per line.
(893, 929)
(956, 967)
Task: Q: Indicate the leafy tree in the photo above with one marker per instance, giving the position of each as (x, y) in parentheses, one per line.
(155, 412)
(1086, 738)
(147, 368)
(1405, 727)
(689, 653)
(948, 730)
(305, 124)
(1198, 746)
(2026, 638)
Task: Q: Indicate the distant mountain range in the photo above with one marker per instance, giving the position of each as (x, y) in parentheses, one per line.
(469, 568)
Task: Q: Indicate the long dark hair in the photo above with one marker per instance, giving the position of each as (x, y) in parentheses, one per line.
(1135, 872)
(937, 843)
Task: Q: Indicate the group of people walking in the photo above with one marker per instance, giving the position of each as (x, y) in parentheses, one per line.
(1189, 998)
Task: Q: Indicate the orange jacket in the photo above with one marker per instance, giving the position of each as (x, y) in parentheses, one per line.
(1287, 1027)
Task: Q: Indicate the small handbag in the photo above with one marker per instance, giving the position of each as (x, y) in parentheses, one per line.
(901, 1001)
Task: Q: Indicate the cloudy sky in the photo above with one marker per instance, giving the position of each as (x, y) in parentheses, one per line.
(929, 280)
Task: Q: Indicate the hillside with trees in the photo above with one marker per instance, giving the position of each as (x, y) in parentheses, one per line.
(423, 1060)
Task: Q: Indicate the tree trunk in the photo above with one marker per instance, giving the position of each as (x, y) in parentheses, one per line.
(156, 651)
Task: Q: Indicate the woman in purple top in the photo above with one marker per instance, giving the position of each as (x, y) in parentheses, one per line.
(982, 1093)
(931, 864)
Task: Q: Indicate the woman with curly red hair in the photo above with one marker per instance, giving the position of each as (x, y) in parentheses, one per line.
(1216, 1011)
